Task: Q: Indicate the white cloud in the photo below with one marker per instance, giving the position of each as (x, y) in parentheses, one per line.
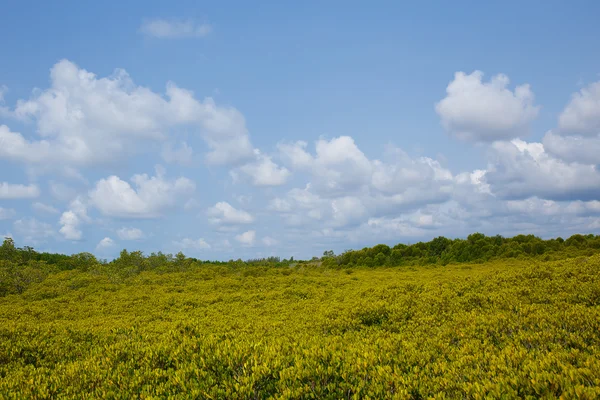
(86, 120)
(520, 170)
(32, 230)
(149, 197)
(346, 188)
(584, 207)
(72, 219)
(264, 172)
(177, 155)
(577, 138)
(486, 111)
(296, 154)
(343, 196)
(105, 243)
(338, 166)
(187, 243)
(15, 147)
(130, 233)
(175, 28)
(70, 222)
(234, 151)
(534, 205)
(44, 208)
(7, 213)
(573, 148)
(347, 210)
(18, 191)
(339, 169)
(223, 213)
(582, 115)
(247, 238)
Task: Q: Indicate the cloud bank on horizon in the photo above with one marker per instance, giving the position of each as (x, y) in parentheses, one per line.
(101, 162)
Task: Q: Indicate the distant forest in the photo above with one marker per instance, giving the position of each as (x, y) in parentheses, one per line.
(22, 266)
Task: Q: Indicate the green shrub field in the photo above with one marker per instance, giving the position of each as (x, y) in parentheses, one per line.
(172, 327)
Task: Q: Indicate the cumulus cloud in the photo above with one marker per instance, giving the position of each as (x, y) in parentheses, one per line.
(130, 233)
(416, 197)
(70, 222)
(519, 170)
(573, 148)
(347, 210)
(18, 191)
(480, 111)
(264, 172)
(534, 205)
(105, 244)
(577, 138)
(582, 114)
(224, 213)
(72, 219)
(337, 167)
(86, 120)
(342, 197)
(247, 238)
(175, 28)
(146, 197)
(346, 187)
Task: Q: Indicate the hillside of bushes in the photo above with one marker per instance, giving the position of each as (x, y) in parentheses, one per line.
(512, 328)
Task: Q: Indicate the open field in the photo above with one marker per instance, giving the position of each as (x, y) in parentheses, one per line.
(509, 328)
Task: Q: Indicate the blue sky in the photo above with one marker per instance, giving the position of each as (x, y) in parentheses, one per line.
(231, 129)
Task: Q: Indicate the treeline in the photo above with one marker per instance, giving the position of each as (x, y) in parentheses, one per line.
(476, 248)
(22, 267)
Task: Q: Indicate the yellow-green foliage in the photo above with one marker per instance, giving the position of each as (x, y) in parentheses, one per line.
(509, 329)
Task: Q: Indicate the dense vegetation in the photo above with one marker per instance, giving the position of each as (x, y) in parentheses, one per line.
(20, 267)
(476, 248)
(476, 318)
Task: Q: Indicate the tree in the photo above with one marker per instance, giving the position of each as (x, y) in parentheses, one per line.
(84, 261)
(396, 257)
(8, 250)
(380, 259)
(381, 248)
(438, 245)
(328, 253)
(475, 237)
